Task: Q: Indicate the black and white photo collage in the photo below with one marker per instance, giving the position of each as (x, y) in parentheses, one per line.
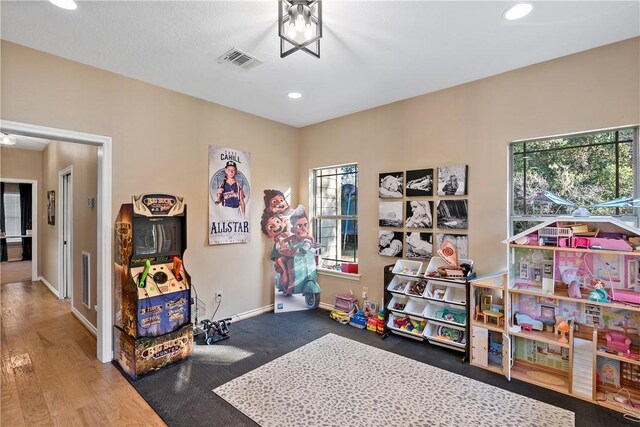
(417, 206)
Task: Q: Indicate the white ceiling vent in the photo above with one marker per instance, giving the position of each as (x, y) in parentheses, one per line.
(239, 58)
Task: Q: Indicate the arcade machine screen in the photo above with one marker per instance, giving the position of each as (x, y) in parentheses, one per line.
(156, 237)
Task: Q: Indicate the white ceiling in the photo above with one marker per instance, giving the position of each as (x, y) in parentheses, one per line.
(29, 143)
(372, 52)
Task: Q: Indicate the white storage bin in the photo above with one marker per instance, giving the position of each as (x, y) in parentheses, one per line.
(407, 268)
(437, 262)
(415, 307)
(398, 299)
(446, 313)
(399, 284)
(391, 325)
(436, 291)
(446, 334)
(416, 289)
(456, 294)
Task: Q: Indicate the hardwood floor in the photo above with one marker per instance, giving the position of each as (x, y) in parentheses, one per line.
(50, 374)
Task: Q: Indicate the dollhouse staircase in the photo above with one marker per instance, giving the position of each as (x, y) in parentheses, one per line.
(582, 368)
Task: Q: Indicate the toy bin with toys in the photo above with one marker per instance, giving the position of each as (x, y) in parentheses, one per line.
(398, 303)
(407, 267)
(566, 315)
(432, 307)
(406, 325)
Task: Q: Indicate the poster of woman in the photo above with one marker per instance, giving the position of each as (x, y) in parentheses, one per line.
(229, 191)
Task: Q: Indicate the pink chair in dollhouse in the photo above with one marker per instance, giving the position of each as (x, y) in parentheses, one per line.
(618, 341)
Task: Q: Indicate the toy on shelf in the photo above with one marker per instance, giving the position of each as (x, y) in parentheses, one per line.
(563, 328)
(599, 293)
(526, 319)
(618, 341)
(416, 288)
(450, 334)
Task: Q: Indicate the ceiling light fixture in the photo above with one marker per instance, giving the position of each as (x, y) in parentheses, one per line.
(517, 11)
(7, 139)
(294, 95)
(299, 26)
(65, 4)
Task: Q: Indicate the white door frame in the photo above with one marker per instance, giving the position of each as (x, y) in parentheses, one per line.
(104, 256)
(34, 221)
(65, 291)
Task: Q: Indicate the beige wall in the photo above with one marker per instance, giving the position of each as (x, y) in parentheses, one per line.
(83, 159)
(160, 143)
(16, 163)
(472, 124)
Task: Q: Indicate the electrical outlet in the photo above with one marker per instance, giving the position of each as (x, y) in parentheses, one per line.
(218, 296)
(365, 292)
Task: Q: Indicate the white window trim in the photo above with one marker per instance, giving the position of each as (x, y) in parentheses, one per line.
(511, 218)
(312, 216)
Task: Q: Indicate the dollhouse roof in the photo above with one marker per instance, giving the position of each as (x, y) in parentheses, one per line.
(604, 223)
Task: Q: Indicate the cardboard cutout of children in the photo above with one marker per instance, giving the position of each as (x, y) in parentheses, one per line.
(293, 253)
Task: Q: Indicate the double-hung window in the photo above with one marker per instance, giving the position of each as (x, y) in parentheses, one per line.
(335, 213)
(11, 205)
(584, 169)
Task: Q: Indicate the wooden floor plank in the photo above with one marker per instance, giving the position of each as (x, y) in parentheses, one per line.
(49, 371)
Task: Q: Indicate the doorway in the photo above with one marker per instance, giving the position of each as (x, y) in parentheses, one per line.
(65, 233)
(19, 241)
(105, 225)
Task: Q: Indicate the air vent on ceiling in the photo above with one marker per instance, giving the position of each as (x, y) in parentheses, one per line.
(239, 58)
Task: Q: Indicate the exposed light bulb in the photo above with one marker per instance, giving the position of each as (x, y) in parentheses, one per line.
(294, 95)
(308, 32)
(7, 139)
(291, 30)
(65, 4)
(299, 23)
(518, 11)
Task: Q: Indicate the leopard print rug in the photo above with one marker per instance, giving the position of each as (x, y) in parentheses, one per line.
(335, 381)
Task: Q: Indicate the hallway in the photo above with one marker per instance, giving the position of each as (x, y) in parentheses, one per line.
(50, 374)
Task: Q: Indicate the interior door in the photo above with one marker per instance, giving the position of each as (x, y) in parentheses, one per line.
(67, 272)
(506, 356)
(479, 346)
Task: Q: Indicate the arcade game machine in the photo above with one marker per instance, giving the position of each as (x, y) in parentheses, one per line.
(152, 288)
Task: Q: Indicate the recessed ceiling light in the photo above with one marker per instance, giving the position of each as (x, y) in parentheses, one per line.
(65, 4)
(294, 95)
(517, 11)
(6, 139)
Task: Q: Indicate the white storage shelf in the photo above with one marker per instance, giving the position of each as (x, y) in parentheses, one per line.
(437, 262)
(391, 325)
(445, 313)
(436, 291)
(416, 307)
(447, 335)
(395, 301)
(416, 289)
(399, 284)
(407, 267)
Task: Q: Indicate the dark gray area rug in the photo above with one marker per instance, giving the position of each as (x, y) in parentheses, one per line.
(181, 394)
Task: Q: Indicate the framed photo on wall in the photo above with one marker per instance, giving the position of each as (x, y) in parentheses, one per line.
(460, 241)
(390, 214)
(390, 185)
(419, 245)
(390, 243)
(452, 180)
(419, 183)
(453, 214)
(419, 214)
(51, 207)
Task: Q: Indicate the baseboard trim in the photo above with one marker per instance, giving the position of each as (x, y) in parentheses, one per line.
(84, 321)
(252, 313)
(48, 285)
(325, 306)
